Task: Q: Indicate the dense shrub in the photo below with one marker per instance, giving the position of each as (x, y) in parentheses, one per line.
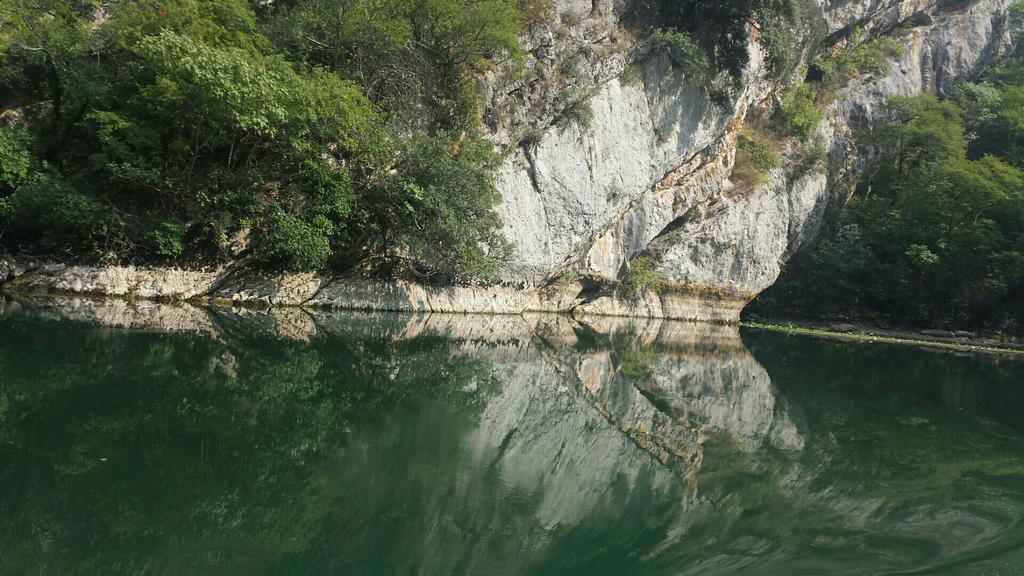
(407, 53)
(48, 214)
(812, 158)
(800, 112)
(292, 242)
(936, 237)
(718, 30)
(633, 75)
(683, 52)
(577, 107)
(780, 45)
(168, 238)
(436, 209)
(754, 160)
(857, 57)
(533, 12)
(163, 129)
(641, 276)
(15, 159)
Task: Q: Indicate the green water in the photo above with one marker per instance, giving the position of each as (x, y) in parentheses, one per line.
(176, 441)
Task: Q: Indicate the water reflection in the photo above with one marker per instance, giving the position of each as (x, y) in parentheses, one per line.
(164, 439)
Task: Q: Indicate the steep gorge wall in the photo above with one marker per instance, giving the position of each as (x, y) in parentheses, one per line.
(650, 171)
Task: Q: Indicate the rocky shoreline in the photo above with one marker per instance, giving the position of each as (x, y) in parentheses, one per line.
(294, 305)
(303, 324)
(228, 286)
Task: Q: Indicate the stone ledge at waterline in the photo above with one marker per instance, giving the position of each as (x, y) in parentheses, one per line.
(223, 286)
(295, 323)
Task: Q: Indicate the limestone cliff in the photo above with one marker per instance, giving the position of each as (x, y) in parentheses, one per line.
(650, 171)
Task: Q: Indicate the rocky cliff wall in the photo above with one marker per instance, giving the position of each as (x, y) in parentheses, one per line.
(653, 171)
(648, 170)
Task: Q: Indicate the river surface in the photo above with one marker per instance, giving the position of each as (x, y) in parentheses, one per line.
(154, 439)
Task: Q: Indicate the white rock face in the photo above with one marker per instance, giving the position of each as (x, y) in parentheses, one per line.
(562, 193)
(740, 245)
(651, 171)
(953, 48)
(842, 14)
(154, 283)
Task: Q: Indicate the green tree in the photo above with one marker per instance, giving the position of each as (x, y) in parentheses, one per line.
(918, 131)
(405, 53)
(170, 129)
(800, 112)
(722, 27)
(436, 210)
(934, 236)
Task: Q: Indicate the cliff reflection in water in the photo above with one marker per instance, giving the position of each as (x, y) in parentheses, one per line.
(160, 439)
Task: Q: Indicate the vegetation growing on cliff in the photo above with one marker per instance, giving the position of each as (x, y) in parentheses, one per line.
(683, 52)
(935, 235)
(641, 276)
(858, 56)
(799, 104)
(178, 129)
(799, 112)
(755, 158)
(705, 37)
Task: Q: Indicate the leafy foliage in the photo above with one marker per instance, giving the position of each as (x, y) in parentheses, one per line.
(641, 276)
(755, 158)
(683, 52)
(858, 56)
(532, 12)
(633, 75)
(168, 238)
(15, 160)
(813, 157)
(173, 126)
(707, 36)
(405, 53)
(935, 236)
(800, 112)
(578, 107)
(438, 208)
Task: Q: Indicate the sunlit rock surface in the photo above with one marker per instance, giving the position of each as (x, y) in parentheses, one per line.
(651, 172)
(740, 242)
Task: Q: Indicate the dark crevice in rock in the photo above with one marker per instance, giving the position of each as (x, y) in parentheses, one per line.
(593, 289)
